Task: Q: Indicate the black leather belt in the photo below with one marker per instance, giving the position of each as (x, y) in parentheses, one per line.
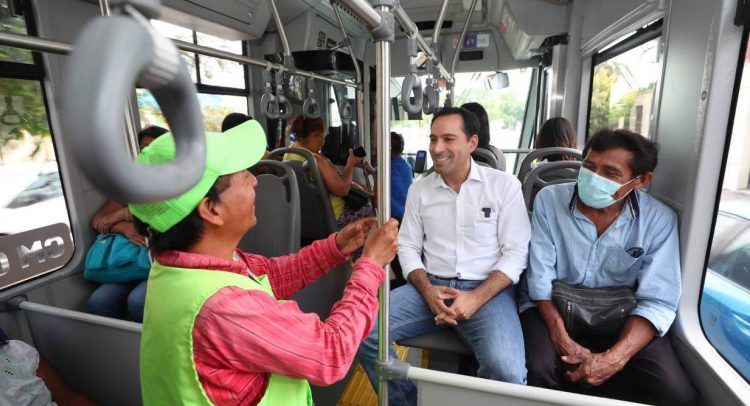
(455, 278)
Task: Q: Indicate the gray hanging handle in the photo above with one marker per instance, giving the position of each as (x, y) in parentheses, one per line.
(269, 105)
(431, 98)
(310, 107)
(109, 56)
(411, 82)
(345, 110)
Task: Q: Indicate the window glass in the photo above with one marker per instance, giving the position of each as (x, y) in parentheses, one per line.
(16, 25)
(505, 108)
(221, 72)
(214, 107)
(31, 196)
(725, 301)
(622, 90)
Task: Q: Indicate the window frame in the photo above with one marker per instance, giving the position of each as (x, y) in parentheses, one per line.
(641, 36)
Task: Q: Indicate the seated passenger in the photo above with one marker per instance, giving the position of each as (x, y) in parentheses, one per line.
(118, 300)
(604, 232)
(28, 379)
(233, 120)
(484, 132)
(309, 134)
(556, 132)
(462, 246)
(220, 327)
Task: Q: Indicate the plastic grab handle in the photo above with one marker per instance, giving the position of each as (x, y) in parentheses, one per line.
(411, 83)
(431, 99)
(287, 106)
(269, 106)
(310, 108)
(109, 56)
(345, 110)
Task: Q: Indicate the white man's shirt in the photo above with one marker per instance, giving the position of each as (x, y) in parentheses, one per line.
(466, 235)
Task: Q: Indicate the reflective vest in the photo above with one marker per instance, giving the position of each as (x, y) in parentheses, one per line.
(174, 298)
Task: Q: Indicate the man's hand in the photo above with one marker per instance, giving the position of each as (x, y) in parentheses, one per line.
(381, 244)
(463, 307)
(353, 236)
(593, 369)
(435, 297)
(567, 346)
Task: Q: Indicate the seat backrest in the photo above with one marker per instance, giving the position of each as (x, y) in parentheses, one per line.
(486, 156)
(550, 173)
(541, 153)
(316, 213)
(277, 210)
(500, 157)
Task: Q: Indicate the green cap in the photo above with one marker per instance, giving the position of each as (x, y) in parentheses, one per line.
(235, 150)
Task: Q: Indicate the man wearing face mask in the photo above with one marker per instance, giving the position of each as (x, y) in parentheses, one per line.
(603, 282)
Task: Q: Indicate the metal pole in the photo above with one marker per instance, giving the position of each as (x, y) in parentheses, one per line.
(279, 27)
(34, 43)
(460, 45)
(382, 129)
(439, 23)
(363, 10)
(359, 79)
(411, 30)
(104, 8)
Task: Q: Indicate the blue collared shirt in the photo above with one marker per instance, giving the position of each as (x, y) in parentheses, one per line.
(640, 249)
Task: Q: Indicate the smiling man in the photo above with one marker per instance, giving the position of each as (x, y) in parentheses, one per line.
(604, 280)
(462, 245)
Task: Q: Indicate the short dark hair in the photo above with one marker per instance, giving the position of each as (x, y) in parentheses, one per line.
(181, 236)
(484, 123)
(470, 121)
(153, 131)
(233, 120)
(397, 143)
(303, 126)
(645, 152)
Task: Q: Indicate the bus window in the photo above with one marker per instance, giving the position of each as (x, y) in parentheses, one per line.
(505, 108)
(221, 84)
(31, 196)
(725, 302)
(623, 83)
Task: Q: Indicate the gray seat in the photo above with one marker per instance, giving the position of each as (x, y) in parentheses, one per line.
(541, 153)
(277, 209)
(546, 174)
(317, 221)
(500, 157)
(443, 340)
(485, 156)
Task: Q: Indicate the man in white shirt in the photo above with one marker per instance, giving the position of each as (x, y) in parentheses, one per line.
(463, 244)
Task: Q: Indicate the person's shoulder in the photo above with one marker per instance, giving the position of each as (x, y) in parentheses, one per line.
(562, 192)
(655, 209)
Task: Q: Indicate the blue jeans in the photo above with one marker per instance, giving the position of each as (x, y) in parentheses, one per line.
(493, 334)
(111, 300)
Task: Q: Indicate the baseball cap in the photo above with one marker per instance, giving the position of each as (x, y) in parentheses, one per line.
(232, 151)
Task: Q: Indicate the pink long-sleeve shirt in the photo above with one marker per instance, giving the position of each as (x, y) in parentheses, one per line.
(240, 336)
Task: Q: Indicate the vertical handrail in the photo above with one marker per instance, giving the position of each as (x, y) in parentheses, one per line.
(439, 23)
(359, 78)
(280, 28)
(411, 30)
(449, 99)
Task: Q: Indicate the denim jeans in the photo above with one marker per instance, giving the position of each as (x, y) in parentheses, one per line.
(493, 334)
(111, 300)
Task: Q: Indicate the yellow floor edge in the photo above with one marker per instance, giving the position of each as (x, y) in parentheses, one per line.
(358, 391)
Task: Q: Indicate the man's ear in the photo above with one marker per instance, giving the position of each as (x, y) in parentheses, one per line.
(474, 142)
(644, 180)
(208, 212)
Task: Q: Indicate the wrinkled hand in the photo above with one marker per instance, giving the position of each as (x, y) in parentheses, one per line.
(381, 245)
(353, 236)
(352, 160)
(130, 232)
(593, 369)
(464, 305)
(567, 346)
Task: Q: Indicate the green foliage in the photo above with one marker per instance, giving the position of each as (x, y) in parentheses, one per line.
(599, 114)
(23, 109)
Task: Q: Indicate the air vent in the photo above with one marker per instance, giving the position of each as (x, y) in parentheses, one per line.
(430, 25)
(471, 56)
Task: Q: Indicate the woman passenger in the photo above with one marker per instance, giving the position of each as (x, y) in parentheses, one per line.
(556, 132)
(309, 134)
(484, 132)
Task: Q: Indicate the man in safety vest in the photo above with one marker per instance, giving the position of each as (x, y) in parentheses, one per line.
(214, 330)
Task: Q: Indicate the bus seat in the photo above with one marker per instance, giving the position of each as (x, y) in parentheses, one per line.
(541, 153)
(500, 157)
(486, 156)
(360, 176)
(97, 355)
(277, 209)
(550, 173)
(444, 340)
(316, 213)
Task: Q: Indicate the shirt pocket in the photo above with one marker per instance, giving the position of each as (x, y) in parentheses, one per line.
(486, 227)
(621, 267)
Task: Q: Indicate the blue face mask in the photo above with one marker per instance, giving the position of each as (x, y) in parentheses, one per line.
(596, 191)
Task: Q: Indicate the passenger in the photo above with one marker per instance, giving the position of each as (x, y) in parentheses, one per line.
(556, 132)
(484, 132)
(462, 245)
(28, 379)
(214, 331)
(401, 179)
(118, 300)
(310, 134)
(602, 232)
(233, 120)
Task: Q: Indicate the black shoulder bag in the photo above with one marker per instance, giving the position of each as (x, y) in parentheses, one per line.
(593, 311)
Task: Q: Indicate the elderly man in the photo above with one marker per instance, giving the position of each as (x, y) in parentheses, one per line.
(604, 280)
(462, 245)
